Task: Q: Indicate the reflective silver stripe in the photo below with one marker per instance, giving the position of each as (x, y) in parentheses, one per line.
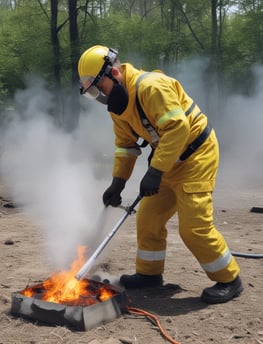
(218, 264)
(151, 255)
(140, 78)
(128, 151)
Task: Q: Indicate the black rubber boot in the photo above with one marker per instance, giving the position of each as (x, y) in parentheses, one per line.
(141, 281)
(222, 292)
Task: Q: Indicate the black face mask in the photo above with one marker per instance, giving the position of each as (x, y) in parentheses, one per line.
(118, 99)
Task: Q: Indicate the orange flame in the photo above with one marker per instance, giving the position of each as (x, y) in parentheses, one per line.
(63, 287)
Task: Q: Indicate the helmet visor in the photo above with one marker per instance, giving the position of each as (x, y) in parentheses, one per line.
(91, 92)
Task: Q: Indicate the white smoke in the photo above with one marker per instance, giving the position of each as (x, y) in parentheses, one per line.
(57, 178)
(239, 131)
(238, 121)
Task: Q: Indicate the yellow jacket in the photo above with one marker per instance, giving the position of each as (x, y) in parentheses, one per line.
(171, 112)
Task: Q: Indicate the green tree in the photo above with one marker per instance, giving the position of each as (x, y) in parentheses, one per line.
(47, 37)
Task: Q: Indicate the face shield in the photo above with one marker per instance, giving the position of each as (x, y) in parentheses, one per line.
(92, 91)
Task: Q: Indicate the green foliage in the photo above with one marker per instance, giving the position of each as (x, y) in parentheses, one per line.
(145, 31)
(148, 33)
(25, 36)
(25, 47)
(242, 48)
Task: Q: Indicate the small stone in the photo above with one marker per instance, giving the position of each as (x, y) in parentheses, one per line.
(125, 340)
(9, 205)
(9, 242)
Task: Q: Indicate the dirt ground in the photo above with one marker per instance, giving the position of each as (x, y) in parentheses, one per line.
(177, 304)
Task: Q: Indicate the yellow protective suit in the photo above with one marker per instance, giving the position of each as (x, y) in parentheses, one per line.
(186, 186)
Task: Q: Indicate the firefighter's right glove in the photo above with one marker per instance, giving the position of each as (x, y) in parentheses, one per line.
(151, 181)
(112, 196)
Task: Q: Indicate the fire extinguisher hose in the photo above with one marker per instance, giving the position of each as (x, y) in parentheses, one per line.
(155, 320)
(247, 255)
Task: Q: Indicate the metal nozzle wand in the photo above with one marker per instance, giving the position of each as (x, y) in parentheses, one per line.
(90, 262)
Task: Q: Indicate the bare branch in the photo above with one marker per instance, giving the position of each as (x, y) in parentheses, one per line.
(43, 9)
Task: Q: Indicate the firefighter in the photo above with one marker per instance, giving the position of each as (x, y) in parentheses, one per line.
(181, 174)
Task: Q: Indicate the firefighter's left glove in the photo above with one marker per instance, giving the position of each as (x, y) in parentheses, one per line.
(151, 181)
(112, 196)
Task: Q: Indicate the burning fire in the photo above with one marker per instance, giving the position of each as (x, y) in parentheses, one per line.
(64, 288)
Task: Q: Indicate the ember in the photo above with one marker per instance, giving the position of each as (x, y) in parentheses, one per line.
(89, 293)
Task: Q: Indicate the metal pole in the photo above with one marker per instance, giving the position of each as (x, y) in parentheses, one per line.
(90, 262)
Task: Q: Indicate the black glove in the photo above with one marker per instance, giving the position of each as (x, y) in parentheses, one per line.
(112, 196)
(151, 181)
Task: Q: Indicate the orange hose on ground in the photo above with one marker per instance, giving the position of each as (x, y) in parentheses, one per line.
(156, 321)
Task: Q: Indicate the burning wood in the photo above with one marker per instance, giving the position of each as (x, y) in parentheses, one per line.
(63, 300)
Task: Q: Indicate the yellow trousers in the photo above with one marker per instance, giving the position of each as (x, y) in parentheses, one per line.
(185, 190)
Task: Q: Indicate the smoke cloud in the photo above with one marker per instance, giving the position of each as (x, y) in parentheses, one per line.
(240, 136)
(238, 122)
(57, 179)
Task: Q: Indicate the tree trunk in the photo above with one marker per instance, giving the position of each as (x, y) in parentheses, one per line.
(73, 108)
(214, 26)
(56, 63)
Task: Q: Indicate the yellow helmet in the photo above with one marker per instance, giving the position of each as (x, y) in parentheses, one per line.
(95, 60)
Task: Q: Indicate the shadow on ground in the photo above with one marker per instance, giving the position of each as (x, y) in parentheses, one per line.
(163, 301)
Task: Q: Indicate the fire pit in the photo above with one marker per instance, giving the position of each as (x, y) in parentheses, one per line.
(100, 303)
(64, 300)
